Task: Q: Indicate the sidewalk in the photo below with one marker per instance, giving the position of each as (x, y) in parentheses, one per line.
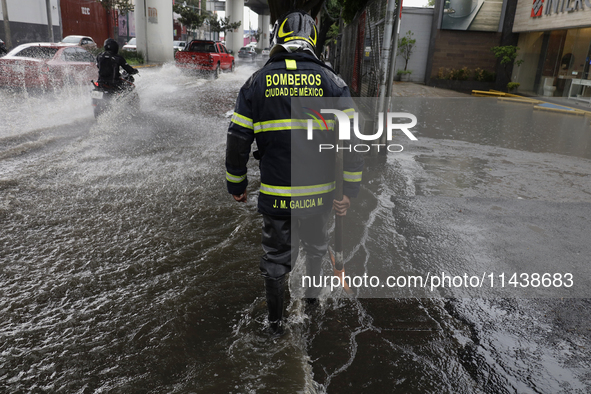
(411, 89)
(148, 65)
(556, 104)
(581, 106)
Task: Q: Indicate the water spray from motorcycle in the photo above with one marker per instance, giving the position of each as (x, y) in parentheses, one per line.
(107, 95)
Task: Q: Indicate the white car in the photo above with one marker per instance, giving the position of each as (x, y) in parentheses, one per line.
(179, 45)
(130, 46)
(266, 51)
(83, 41)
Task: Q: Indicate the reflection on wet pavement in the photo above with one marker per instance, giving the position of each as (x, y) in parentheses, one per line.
(125, 266)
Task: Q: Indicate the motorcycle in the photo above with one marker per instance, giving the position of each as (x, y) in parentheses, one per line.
(105, 95)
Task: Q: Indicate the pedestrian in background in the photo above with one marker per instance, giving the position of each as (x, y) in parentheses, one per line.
(3, 49)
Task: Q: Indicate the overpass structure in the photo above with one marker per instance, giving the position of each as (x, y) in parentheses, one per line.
(235, 11)
(154, 25)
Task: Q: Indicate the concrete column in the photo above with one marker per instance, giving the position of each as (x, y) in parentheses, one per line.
(49, 21)
(264, 21)
(266, 31)
(154, 29)
(7, 34)
(235, 11)
(261, 41)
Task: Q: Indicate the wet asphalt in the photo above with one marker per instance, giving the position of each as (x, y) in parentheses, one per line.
(125, 267)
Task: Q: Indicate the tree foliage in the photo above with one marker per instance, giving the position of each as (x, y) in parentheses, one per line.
(405, 47)
(222, 25)
(257, 34)
(329, 24)
(280, 7)
(189, 17)
(334, 11)
(333, 32)
(122, 6)
(195, 3)
(508, 55)
(350, 8)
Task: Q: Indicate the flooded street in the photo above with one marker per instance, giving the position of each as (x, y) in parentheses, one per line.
(125, 266)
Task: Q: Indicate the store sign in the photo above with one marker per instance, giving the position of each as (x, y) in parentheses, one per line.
(152, 15)
(558, 6)
(537, 8)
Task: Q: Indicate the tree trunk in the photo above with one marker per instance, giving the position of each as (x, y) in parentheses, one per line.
(49, 21)
(7, 33)
(324, 28)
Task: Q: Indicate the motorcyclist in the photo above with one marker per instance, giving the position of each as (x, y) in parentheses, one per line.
(109, 62)
(3, 49)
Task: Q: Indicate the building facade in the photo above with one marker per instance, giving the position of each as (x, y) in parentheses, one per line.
(28, 21)
(86, 18)
(419, 22)
(463, 35)
(555, 46)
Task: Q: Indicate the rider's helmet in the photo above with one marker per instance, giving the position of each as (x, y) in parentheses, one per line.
(296, 31)
(111, 45)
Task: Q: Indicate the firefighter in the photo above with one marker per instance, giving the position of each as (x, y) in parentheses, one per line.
(295, 205)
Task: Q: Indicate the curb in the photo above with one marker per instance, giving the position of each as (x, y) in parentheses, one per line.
(148, 65)
(520, 100)
(563, 111)
(537, 104)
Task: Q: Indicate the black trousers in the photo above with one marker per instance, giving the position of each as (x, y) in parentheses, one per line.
(281, 242)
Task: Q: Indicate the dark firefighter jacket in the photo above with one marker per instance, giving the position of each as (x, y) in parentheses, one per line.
(297, 178)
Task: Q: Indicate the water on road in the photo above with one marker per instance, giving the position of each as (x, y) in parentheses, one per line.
(125, 267)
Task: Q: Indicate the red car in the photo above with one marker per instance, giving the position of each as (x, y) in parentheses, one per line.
(205, 55)
(47, 65)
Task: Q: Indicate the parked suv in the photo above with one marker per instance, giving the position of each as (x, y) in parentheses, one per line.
(205, 55)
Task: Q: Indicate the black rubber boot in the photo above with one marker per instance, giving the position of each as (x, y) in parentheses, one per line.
(274, 288)
(314, 271)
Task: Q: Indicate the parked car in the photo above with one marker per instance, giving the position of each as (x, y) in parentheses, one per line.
(47, 65)
(130, 46)
(266, 51)
(247, 53)
(206, 56)
(179, 45)
(83, 41)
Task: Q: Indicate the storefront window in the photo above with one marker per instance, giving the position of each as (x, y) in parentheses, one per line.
(575, 65)
(552, 60)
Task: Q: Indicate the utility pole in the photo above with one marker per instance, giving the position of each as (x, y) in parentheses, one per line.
(49, 22)
(386, 58)
(395, 35)
(7, 34)
(127, 25)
